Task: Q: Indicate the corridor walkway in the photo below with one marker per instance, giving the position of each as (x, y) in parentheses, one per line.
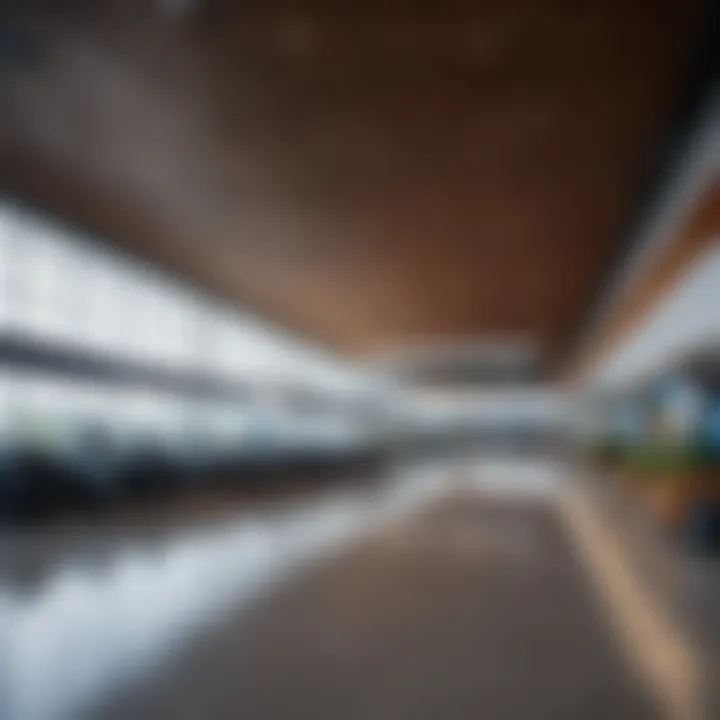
(472, 605)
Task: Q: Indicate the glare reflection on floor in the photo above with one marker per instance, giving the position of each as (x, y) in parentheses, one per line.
(89, 630)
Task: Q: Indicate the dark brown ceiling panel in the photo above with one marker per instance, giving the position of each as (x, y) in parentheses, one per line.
(373, 173)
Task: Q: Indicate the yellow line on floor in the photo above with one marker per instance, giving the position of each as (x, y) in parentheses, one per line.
(662, 653)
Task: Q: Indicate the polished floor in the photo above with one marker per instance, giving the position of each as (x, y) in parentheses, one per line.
(430, 599)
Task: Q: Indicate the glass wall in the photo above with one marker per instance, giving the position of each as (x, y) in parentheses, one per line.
(61, 291)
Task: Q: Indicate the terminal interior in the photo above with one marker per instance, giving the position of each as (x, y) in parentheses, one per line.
(359, 361)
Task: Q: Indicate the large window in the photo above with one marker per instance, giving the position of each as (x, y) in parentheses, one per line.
(61, 289)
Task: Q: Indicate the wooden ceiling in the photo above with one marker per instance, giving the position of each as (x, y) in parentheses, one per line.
(372, 173)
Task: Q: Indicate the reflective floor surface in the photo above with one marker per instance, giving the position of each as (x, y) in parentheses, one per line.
(443, 593)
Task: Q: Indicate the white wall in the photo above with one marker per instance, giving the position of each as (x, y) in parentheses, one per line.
(696, 170)
(687, 318)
